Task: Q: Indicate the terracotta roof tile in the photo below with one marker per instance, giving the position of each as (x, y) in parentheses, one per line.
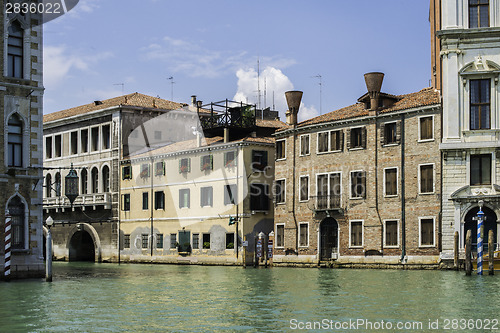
(135, 99)
(278, 124)
(424, 97)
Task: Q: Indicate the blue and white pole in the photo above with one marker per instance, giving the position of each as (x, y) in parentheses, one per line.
(480, 218)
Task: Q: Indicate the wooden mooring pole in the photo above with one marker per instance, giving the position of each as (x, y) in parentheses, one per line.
(468, 252)
(455, 252)
(491, 253)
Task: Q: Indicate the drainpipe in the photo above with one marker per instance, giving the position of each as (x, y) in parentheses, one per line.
(376, 186)
(151, 204)
(403, 203)
(120, 152)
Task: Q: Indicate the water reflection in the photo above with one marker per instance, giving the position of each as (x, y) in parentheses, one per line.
(87, 297)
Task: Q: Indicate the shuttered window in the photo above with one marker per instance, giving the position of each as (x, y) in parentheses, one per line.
(391, 181)
(358, 184)
(427, 178)
(356, 233)
(391, 233)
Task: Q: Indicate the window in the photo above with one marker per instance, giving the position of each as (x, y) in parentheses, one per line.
(106, 137)
(206, 241)
(15, 51)
(391, 233)
(280, 235)
(391, 181)
(229, 159)
(184, 165)
(427, 178)
(330, 141)
(57, 184)
(127, 172)
(48, 147)
(17, 212)
(480, 169)
(58, 146)
(390, 135)
(159, 241)
(173, 241)
(357, 138)
(206, 196)
(84, 140)
(259, 160)
(304, 188)
(426, 128)
(196, 241)
(126, 241)
(95, 180)
(126, 202)
(426, 231)
(304, 145)
(279, 191)
(84, 176)
(356, 231)
(95, 138)
(48, 185)
(105, 179)
(259, 197)
(230, 241)
(329, 191)
(160, 168)
(15, 141)
(480, 104)
(144, 238)
(323, 145)
(230, 194)
(304, 234)
(479, 13)
(159, 200)
(280, 149)
(73, 143)
(184, 198)
(206, 163)
(144, 171)
(358, 187)
(336, 140)
(145, 200)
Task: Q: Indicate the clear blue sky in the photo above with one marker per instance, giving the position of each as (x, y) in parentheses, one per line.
(210, 48)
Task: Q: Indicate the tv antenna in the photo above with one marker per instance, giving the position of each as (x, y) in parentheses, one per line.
(171, 88)
(320, 90)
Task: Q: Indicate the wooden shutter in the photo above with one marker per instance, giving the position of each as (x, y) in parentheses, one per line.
(363, 137)
(398, 132)
(363, 183)
(348, 133)
(341, 139)
(382, 134)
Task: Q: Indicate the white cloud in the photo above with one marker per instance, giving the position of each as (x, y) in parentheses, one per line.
(307, 112)
(196, 61)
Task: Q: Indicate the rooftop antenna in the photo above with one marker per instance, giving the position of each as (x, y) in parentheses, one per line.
(320, 91)
(258, 83)
(274, 106)
(120, 84)
(265, 92)
(171, 88)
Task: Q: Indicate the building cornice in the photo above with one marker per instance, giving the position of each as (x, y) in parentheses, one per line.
(460, 33)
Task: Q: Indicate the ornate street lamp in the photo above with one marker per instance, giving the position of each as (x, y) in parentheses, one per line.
(71, 188)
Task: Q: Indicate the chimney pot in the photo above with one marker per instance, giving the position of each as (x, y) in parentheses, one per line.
(193, 100)
(373, 82)
(293, 99)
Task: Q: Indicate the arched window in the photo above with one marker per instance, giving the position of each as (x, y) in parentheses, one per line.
(15, 141)
(57, 185)
(48, 185)
(16, 210)
(105, 179)
(15, 51)
(84, 178)
(95, 180)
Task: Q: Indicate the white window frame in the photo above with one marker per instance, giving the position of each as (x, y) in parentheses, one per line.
(276, 233)
(309, 144)
(419, 132)
(433, 179)
(328, 174)
(362, 234)
(101, 138)
(45, 158)
(284, 190)
(328, 143)
(350, 185)
(397, 227)
(284, 150)
(397, 183)
(420, 218)
(383, 134)
(350, 131)
(308, 187)
(308, 235)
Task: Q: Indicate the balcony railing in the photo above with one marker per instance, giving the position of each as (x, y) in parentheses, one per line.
(83, 200)
(326, 202)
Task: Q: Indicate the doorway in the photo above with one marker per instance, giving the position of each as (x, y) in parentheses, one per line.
(329, 237)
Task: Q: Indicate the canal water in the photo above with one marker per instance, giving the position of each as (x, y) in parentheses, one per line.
(88, 297)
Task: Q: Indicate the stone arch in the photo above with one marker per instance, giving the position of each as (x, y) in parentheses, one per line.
(467, 222)
(93, 234)
(328, 238)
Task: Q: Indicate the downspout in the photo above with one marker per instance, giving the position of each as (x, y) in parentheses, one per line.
(403, 203)
(151, 205)
(120, 152)
(376, 186)
(293, 190)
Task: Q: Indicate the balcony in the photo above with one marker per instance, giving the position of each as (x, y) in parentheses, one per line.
(326, 202)
(84, 200)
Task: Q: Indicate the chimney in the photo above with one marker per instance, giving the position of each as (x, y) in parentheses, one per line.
(373, 82)
(226, 135)
(193, 100)
(293, 99)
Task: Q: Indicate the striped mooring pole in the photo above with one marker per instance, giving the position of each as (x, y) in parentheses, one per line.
(480, 218)
(8, 238)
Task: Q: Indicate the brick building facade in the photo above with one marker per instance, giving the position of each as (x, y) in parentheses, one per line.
(361, 185)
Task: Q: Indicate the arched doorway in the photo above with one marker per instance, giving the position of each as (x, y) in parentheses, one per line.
(81, 247)
(489, 224)
(329, 238)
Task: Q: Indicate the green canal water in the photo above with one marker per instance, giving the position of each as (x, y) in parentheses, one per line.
(87, 297)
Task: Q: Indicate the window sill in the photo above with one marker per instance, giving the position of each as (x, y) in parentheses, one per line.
(357, 198)
(280, 203)
(280, 159)
(307, 200)
(329, 152)
(356, 148)
(391, 246)
(304, 155)
(427, 193)
(425, 140)
(356, 247)
(391, 196)
(427, 246)
(394, 144)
